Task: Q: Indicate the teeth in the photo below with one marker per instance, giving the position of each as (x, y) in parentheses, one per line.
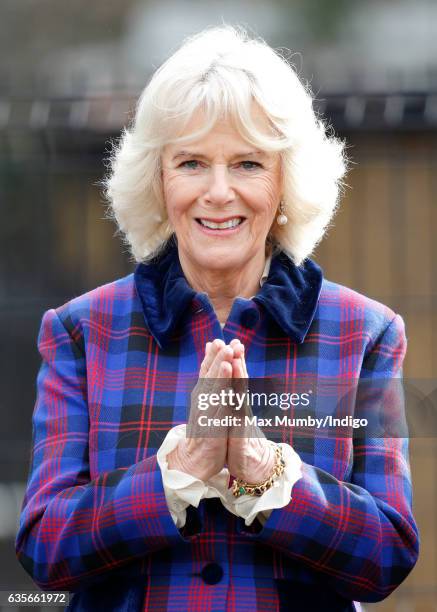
(224, 225)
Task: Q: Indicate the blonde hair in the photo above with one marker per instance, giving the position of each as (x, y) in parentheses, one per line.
(223, 71)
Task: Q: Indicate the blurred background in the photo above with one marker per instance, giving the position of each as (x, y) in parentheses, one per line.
(69, 77)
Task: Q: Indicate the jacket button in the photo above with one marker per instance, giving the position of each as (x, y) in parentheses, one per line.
(212, 573)
(250, 317)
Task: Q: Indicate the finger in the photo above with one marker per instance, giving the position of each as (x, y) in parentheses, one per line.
(243, 362)
(218, 343)
(239, 354)
(225, 354)
(240, 378)
(225, 369)
(245, 372)
(237, 346)
(238, 368)
(211, 350)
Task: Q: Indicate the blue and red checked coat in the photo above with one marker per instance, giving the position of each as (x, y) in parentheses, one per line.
(113, 382)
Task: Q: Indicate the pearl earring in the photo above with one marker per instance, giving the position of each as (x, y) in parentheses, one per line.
(281, 219)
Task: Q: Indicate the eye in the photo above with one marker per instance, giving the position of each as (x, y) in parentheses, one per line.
(250, 165)
(190, 164)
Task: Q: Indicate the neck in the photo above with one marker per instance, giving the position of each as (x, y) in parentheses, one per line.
(224, 285)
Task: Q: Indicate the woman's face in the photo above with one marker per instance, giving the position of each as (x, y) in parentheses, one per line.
(222, 195)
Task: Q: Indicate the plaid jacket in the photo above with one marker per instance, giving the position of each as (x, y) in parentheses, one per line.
(113, 381)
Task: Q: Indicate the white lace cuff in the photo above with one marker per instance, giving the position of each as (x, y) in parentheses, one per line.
(182, 490)
(278, 496)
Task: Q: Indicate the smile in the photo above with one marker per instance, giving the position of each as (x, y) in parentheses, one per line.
(225, 224)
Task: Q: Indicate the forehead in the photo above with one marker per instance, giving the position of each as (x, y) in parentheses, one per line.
(201, 132)
(228, 120)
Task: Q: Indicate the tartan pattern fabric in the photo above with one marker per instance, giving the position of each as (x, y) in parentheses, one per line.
(94, 519)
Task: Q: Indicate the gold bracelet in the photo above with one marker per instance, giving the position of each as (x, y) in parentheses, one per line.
(240, 487)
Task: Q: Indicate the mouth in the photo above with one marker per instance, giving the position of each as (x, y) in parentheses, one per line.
(220, 225)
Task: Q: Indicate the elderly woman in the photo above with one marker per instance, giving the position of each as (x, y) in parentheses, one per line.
(222, 187)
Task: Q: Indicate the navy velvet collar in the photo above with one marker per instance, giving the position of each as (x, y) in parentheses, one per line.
(289, 295)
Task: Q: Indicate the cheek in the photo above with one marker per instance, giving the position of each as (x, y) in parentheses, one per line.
(265, 197)
(169, 185)
(273, 188)
(176, 195)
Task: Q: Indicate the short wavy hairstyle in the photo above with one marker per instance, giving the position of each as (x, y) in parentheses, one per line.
(222, 71)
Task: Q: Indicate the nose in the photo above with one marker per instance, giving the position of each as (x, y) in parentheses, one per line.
(219, 189)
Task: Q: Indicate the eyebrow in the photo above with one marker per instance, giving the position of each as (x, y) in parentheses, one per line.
(186, 153)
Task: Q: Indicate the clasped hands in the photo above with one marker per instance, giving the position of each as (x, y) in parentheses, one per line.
(250, 458)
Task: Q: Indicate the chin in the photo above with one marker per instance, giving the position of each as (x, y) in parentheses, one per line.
(219, 259)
